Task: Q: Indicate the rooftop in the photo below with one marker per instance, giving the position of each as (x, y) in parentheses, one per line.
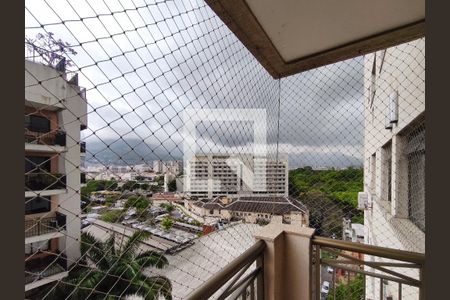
(275, 205)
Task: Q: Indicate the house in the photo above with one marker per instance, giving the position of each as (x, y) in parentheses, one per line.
(251, 209)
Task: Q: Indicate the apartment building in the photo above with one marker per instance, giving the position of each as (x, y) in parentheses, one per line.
(173, 167)
(253, 209)
(55, 113)
(217, 174)
(394, 167)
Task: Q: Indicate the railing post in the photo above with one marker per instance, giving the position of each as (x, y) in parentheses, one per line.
(286, 261)
(422, 282)
(260, 278)
(317, 272)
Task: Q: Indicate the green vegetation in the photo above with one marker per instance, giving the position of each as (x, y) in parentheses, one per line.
(98, 185)
(141, 204)
(112, 216)
(169, 207)
(167, 223)
(197, 223)
(262, 222)
(114, 271)
(110, 200)
(130, 185)
(133, 184)
(330, 195)
(354, 290)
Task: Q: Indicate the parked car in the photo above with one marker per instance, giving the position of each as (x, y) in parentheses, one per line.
(325, 287)
(330, 270)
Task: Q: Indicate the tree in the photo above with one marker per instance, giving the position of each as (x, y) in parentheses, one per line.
(52, 50)
(112, 216)
(169, 207)
(330, 195)
(109, 270)
(130, 185)
(167, 223)
(110, 200)
(98, 185)
(141, 203)
(354, 290)
(145, 186)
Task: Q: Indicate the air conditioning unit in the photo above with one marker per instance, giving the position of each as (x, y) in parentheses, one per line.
(363, 201)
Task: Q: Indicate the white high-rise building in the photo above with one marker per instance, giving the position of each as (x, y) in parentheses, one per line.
(218, 174)
(172, 167)
(394, 166)
(55, 112)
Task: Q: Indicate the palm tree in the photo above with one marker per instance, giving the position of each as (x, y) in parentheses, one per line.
(112, 271)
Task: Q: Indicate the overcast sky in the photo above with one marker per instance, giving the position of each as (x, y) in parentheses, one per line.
(144, 62)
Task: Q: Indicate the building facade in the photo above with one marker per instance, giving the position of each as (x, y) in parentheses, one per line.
(55, 113)
(251, 209)
(172, 167)
(394, 166)
(212, 175)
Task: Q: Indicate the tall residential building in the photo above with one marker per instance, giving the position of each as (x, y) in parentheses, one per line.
(394, 166)
(173, 167)
(55, 113)
(218, 174)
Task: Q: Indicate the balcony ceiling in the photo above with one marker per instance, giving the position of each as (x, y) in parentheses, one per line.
(291, 36)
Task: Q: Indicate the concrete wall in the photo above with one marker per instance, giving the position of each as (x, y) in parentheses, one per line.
(387, 223)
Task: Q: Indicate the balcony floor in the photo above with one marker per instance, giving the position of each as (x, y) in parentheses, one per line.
(45, 280)
(43, 237)
(44, 193)
(44, 148)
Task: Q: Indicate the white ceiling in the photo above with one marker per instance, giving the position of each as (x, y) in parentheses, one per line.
(298, 28)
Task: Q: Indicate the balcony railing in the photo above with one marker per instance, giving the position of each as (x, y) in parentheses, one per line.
(45, 225)
(47, 266)
(45, 138)
(382, 265)
(250, 286)
(44, 181)
(403, 268)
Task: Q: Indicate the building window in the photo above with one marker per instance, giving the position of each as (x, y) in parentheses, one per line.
(415, 150)
(37, 123)
(37, 164)
(37, 205)
(373, 172)
(387, 172)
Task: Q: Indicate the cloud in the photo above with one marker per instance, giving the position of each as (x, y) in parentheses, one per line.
(147, 63)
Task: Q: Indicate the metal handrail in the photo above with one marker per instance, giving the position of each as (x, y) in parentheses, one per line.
(55, 137)
(413, 257)
(39, 226)
(218, 280)
(44, 181)
(407, 259)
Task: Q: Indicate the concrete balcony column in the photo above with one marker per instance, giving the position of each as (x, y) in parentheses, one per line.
(287, 258)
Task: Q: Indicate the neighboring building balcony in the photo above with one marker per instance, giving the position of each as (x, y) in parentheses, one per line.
(83, 148)
(288, 261)
(44, 182)
(82, 177)
(44, 270)
(44, 228)
(53, 141)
